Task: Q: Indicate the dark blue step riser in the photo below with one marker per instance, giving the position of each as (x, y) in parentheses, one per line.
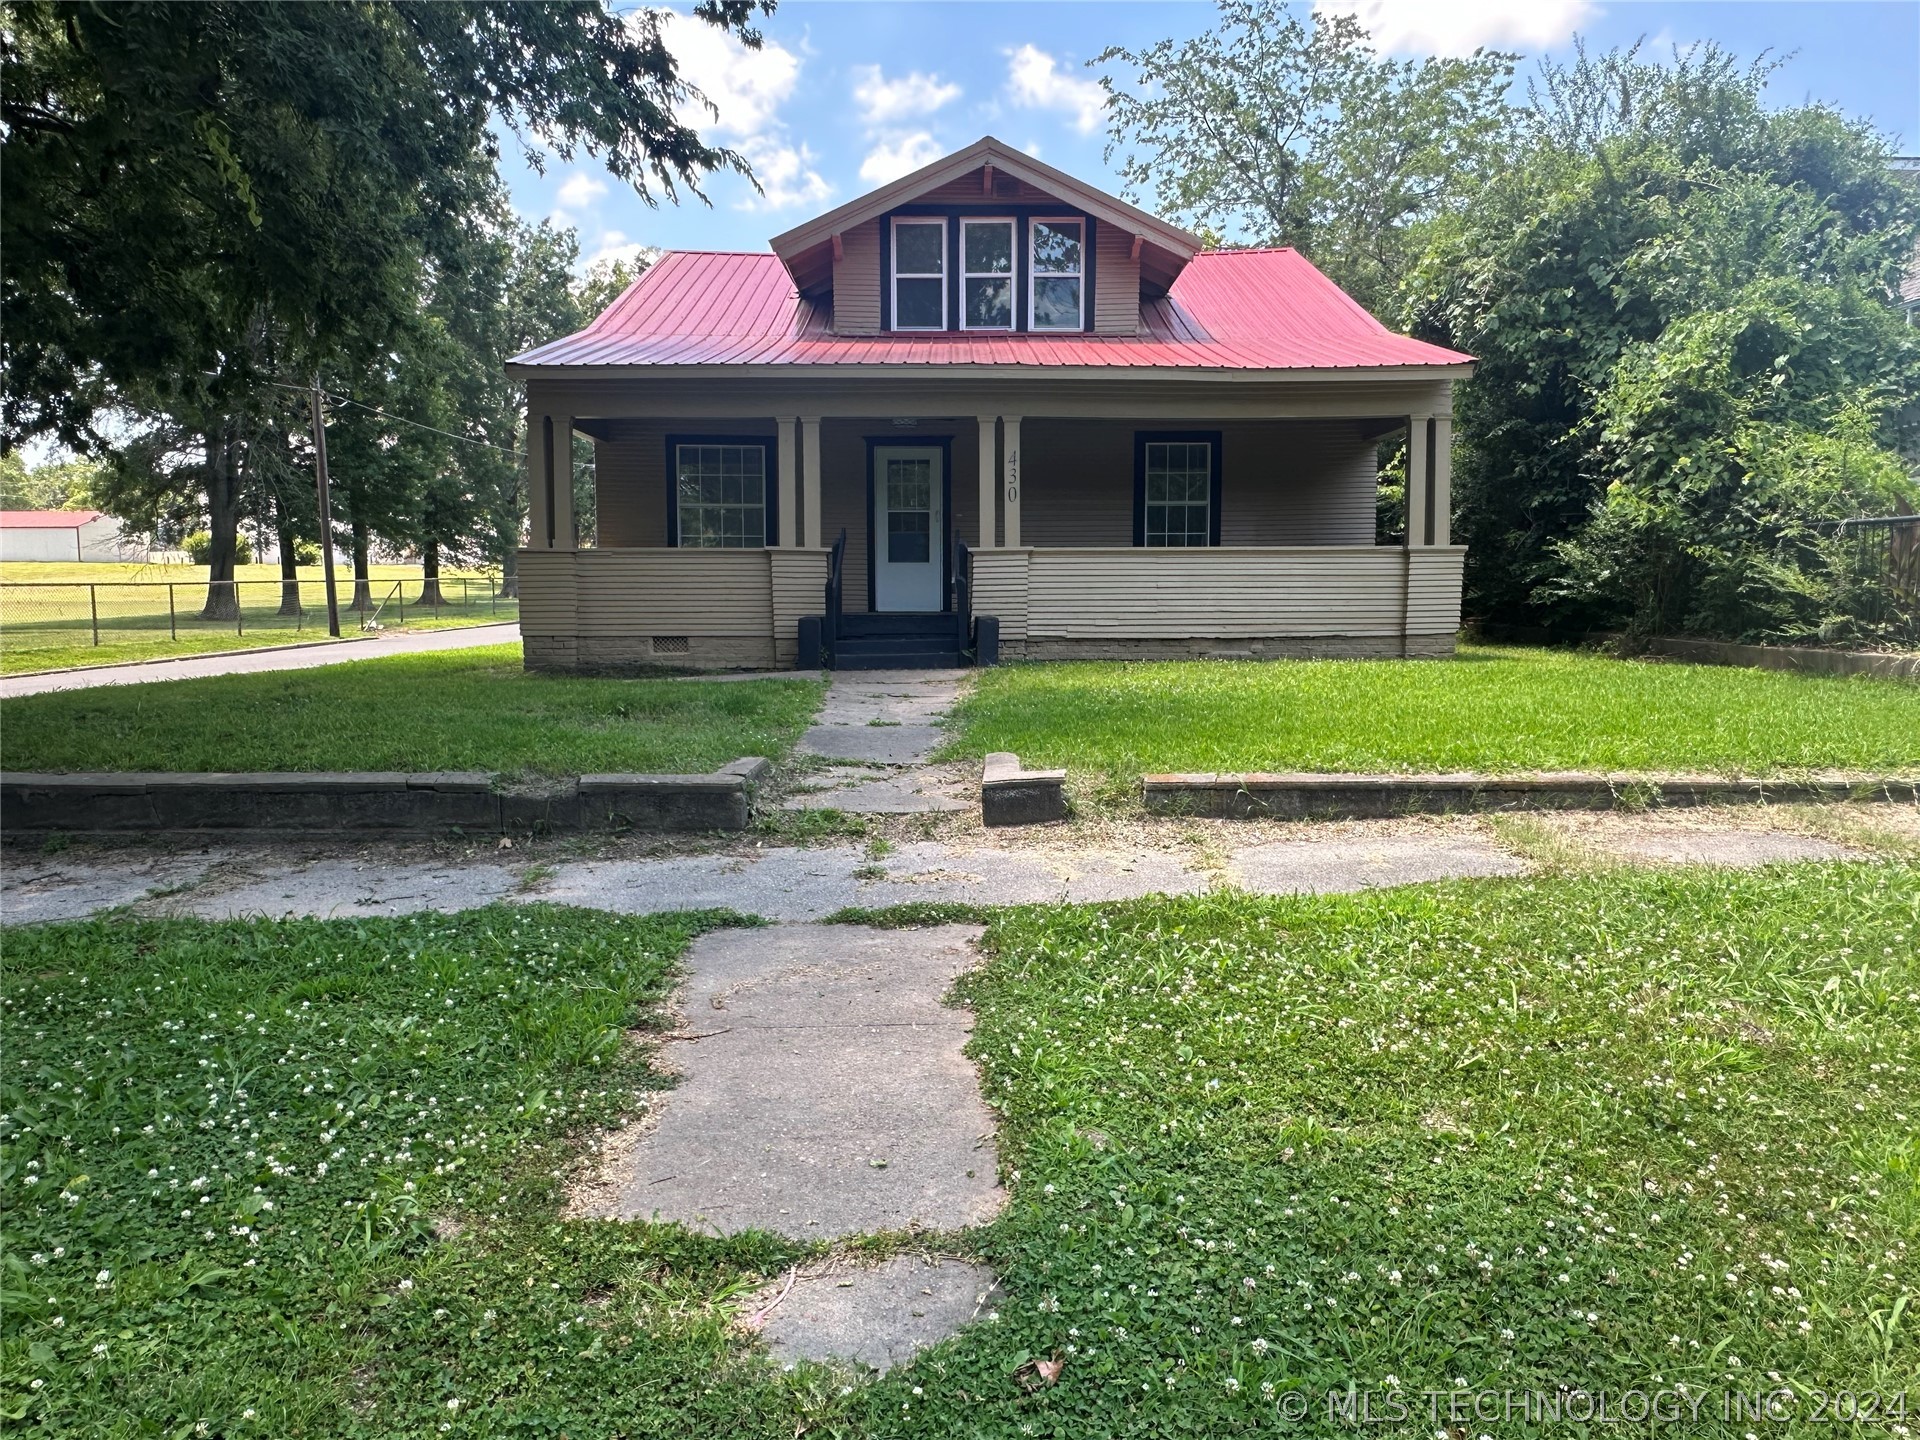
(864, 626)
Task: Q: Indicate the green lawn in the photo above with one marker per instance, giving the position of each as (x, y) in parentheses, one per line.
(50, 614)
(1489, 709)
(460, 710)
(1634, 1129)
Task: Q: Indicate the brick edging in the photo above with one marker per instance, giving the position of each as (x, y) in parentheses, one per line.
(1341, 797)
(374, 802)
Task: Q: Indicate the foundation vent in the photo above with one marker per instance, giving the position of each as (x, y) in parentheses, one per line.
(670, 645)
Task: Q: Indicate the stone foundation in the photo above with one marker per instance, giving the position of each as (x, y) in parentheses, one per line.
(646, 654)
(1281, 647)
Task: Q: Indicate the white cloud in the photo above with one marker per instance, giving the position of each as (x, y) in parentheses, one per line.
(747, 88)
(1459, 27)
(1036, 82)
(788, 175)
(910, 98)
(1032, 147)
(896, 155)
(580, 190)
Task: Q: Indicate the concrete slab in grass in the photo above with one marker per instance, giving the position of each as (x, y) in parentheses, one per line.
(879, 1316)
(58, 887)
(1341, 864)
(824, 1090)
(344, 888)
(875, 744)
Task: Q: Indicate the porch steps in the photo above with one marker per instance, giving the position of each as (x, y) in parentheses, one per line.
(897, 642)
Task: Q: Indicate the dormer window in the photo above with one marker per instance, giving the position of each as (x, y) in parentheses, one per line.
(920, 274)
(1056, 280)
(986, 274)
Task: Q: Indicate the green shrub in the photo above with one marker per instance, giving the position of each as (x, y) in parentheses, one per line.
(199, 548)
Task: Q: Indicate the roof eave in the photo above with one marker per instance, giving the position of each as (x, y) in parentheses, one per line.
(1439, 370)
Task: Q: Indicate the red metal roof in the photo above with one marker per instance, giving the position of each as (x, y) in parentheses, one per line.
(46, 519)
(1228, 310)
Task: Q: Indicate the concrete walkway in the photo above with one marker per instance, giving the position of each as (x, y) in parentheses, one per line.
(878, 729)
(264, 659)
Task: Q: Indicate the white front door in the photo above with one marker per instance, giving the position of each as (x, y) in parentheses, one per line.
(909, 527)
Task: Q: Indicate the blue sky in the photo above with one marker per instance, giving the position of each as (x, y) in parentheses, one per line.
(846, 94)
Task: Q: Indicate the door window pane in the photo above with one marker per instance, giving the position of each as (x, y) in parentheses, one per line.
(909, 511)
(1179, 485)
(721, 492)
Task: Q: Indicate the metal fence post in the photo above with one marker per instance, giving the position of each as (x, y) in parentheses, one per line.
(173, 624)
(239, 620)
(93, 605)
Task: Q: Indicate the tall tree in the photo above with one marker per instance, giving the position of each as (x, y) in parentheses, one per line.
(1272, 130)
(177, 175)
(1689, 359)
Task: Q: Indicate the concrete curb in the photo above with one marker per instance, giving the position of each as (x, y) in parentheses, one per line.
(377, 802)
(1012, 796)
(1369, 797)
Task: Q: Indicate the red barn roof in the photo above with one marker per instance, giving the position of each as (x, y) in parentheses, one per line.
(1228, 310)
(46, 519)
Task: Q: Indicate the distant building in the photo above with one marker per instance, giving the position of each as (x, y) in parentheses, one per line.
(83, 535)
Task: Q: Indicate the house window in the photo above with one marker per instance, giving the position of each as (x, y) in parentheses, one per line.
(986, 274)
(720, 496)
(1054, 300)
(920, 274)
(1177, 492)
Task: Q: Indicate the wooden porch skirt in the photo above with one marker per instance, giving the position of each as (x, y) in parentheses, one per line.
(1327, 600)
(619, 610)
(740, 609)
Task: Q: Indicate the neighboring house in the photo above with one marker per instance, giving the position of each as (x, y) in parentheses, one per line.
(1146, 448)
(59, 535)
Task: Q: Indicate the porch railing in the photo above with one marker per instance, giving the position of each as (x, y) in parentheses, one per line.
(962, 595)
(830, 620)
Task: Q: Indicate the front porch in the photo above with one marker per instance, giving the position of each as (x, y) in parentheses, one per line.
(1173, 532)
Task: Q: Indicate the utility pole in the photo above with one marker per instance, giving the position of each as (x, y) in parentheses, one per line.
(325, 497)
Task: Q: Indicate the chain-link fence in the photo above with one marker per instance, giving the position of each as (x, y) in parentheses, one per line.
(63, 614)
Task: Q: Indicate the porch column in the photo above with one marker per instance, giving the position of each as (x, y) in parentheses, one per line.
(540, 531)
(565, 534)
(1442, 479)
(1416, 481)
(789, 486)
(989, 480)
(810, 480)
(1012, 473)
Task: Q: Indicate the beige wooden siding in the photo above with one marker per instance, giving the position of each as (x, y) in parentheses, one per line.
(1000, 589)
(548, 595)
(719, 593)
(1433, 589)
(798, 587)
(967, 190)
(1282, 482)
(1116, 282)
(1221, 593)
(856, 281)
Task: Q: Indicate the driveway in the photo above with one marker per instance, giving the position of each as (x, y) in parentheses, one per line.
(266, 658)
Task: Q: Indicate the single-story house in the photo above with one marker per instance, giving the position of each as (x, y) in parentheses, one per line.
(84, 535)
(985, 390)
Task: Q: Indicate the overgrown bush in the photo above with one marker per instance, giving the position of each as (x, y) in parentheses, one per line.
(199, 548)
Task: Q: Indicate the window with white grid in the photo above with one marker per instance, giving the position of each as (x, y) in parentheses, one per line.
(721, 491)
(1179, 492)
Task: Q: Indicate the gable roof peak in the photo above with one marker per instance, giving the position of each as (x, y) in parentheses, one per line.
(1180, 245)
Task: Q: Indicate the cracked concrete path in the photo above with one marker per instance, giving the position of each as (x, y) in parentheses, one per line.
(882, 727)
(875, 1315)
(823, 1090)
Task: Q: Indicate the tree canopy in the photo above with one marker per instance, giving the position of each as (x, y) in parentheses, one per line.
(1689, 362)
(1273, 130)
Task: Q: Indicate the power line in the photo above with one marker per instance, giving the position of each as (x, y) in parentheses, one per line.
(396, 419)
